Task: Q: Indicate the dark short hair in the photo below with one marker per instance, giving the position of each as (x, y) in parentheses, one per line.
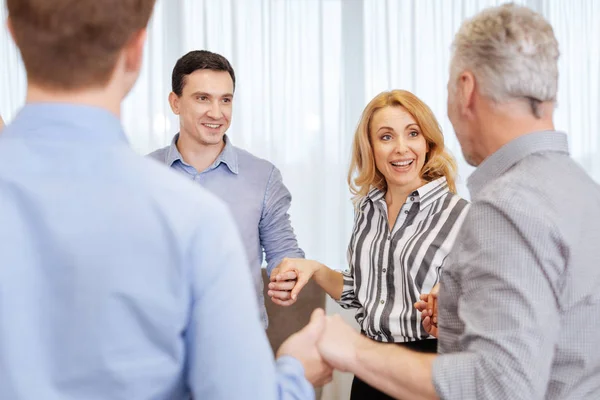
(72, 44)
(195, 60)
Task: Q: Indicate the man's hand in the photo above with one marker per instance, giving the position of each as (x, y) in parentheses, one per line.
(338, 343)
(302, 345)
(428, 308)
(288, 279)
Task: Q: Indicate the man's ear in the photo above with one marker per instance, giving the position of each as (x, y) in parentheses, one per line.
(9, 26)
(174, 103)
(466, 92)
(134, 54)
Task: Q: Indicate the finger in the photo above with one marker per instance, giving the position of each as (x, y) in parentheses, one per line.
(430, 305)
(318, 314)
(299, 285)
(427, 324)
(284, 303)
(287, 275)
(435, 311)
(420, 305)
(274, 273)
(316, 325)
(282, 285)
(280, 294)
(424, 296)
(326, 379)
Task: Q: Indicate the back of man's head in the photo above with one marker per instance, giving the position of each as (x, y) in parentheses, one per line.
(74, 44)
(512, 52)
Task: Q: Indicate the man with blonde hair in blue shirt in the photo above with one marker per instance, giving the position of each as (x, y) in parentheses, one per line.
(116, 272)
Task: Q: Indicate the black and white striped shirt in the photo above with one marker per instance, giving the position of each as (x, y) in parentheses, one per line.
(388, 270)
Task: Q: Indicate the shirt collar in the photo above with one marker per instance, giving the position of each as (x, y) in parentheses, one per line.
(513, 152)
(424, 196)
(228, 155)
(73, 122)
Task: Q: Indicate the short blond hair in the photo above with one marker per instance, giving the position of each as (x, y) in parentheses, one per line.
(363, 173)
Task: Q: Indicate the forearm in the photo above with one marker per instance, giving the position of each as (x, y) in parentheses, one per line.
(401, 373)
(331, 281)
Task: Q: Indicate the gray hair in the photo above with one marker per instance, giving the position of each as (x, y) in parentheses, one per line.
(512, 52)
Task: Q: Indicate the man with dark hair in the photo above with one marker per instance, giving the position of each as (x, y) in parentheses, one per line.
(115, 273)
(203, 84)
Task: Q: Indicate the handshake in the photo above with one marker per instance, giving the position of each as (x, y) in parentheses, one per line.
(328, 342)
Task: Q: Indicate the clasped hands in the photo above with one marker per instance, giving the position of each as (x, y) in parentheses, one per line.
(327, 342)
(289, 278)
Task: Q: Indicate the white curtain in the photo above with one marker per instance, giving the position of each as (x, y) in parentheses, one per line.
(286, 55)
(305, 70)
(407, 45)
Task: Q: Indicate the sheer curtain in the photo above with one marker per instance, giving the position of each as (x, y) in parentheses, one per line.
(407, 45)
(305, 70)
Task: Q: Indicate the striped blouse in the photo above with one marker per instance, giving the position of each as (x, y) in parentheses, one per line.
(388, 270)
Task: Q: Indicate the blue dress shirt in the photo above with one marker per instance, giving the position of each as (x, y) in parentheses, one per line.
(259, 201)
(116, 274)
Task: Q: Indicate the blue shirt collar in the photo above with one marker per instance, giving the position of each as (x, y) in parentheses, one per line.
(513, 152)
(228, 155)
(78, 122)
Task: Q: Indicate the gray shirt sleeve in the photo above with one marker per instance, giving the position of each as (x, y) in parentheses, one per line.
(276, 233)
(506, 278)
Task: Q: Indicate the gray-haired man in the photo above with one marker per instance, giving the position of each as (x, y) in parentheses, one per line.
(519, 295)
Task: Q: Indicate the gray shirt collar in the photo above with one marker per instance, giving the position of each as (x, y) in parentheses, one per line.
(513, 152)
(228, 156)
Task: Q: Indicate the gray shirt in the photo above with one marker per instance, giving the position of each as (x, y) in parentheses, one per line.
(259, 201)
(519, 305)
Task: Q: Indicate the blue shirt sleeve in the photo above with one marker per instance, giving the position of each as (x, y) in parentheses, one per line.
(276, 233)
(228, 352)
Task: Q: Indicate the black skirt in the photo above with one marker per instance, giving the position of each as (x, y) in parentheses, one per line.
(363, 391)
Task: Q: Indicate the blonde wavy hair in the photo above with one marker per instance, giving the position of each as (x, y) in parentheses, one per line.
(363, 174)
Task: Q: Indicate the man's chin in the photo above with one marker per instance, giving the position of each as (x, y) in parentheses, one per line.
(213, 138)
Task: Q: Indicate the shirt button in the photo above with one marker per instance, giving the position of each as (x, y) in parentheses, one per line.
(405, 211)
(390, 237)
(382, 301)
(384, 270)
(412, 199)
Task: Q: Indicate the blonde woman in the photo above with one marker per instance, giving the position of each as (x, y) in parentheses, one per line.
(407, 217)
